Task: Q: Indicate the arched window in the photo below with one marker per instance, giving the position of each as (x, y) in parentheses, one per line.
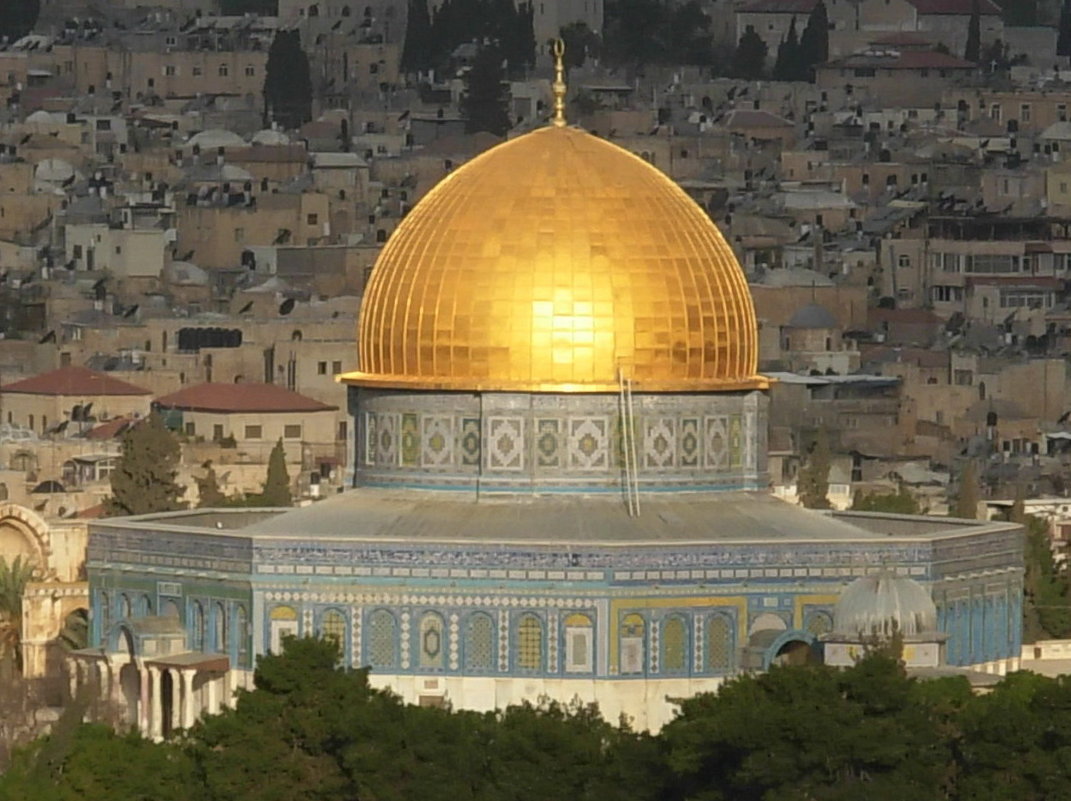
(146, 605)
(579, 648)
(345, 11)
(126, 609)
(431, 641)
(819, 623)
(220, 628)
(284, 623)
(719, 644)
(382, 640)
(981, 390)
(674, 646)
(480, 643)
(314, 10)
(633, 629)
(241, 632)
(333, 627)
(198, 626)
(530, 643)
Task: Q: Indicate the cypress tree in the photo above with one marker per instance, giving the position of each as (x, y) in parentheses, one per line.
(145, 475)
(418, 51)
(787, 67)
(812, 485)
(967, 497)
(973, 50)
(277, 484)
(749, 60)
(484, 104)
(814, 43)
(209, 494)
(1063, 39)
(288, 82)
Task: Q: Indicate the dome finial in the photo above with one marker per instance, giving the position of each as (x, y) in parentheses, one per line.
(558, 87)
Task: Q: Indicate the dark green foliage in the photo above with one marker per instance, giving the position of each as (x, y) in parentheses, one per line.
(1063, 36)
(580, 44)
(814, 42)
(277, 484)
(973, 49)
(812, 484)
(1047, 601)
(418, 52)
(144, 479)
(238, 7)
(967, 497)
(209, 495)
(788, 66)
(749, 60)
(499, 24)
(642, 32)
(288, 82)
(900, 502)
(17, 17)
(484, 104)
(1020, 13)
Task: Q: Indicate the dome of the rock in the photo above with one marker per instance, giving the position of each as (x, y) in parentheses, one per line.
(557, 262)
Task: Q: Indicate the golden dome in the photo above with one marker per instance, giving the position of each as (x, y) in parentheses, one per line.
(556, 262)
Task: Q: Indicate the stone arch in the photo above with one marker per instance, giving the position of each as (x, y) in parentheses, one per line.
(790, 647)
(24, 533)
(767, 621)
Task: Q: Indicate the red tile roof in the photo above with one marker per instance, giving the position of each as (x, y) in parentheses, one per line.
(240, 398)
(74, 381)
(111, 429)
(961, 7)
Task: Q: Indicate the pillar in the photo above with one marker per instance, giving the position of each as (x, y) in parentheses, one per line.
(213, 694)
(72, 677)
(176, 700)
(187, 698)
(144, 712)
(156, 708)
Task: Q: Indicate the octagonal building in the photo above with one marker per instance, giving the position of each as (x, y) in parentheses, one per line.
(559, 480)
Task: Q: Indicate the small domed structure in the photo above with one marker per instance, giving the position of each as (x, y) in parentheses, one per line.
(882, 605)
(270, 137)
(813, 315)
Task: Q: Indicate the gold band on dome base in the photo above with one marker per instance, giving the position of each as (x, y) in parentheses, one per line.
(379, 381)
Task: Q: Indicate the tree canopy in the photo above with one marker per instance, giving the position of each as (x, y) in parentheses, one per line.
(749, 60)
(484, 104)
(813, 481)
(277, 484)
(310, 731)
(146, 473)
(287, 81)
(17, 17)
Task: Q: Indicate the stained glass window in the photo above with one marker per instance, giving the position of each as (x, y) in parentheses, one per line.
(381, 639)
(530, 643)
(674, 646)
(480, 643)
(632, 644)
(578, 644)
(719, 644)
(431, 641)
(221, 628)
(333, 627)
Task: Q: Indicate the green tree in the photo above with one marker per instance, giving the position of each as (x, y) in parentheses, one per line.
(973, 50)
(749, 61)
(209, 495)
(1047, 589)
(287, 82)
(1063, 36)
(580, 44)
(145, 475)
(17, 17)
(690, 39)
(635, 33)
(787, 66)
(900, 502)
(277, 484)
(13, 580)
(967, 497)
(814, 43)
(484, 103)
(812, 484)
(418, 51)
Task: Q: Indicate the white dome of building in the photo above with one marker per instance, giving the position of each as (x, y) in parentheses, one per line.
(270, 137)
(215, 137)
(883, 604)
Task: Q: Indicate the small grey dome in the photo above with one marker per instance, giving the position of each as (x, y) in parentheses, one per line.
(813, 316)
(882, 604)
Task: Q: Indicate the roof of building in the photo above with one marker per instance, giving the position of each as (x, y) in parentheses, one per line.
(905, 60)
(813, 315)
(884, 604)
(901, 38)
(228, 398)
(71, 380)
(959, 7)
(754, 118)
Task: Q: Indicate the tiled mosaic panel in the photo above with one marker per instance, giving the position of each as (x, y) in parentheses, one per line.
(505, 443)
(437, 443)
(660, 442)
(410, 439)
(470, 441)
(548, 444)
(386, 429)
(589, 443)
